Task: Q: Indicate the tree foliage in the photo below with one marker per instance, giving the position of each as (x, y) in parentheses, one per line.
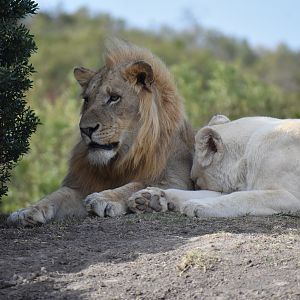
(17, 121)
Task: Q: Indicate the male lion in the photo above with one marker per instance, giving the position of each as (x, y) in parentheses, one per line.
(133, 134)
(248, 166)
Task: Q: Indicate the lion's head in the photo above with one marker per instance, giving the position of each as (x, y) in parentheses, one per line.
(131, 109)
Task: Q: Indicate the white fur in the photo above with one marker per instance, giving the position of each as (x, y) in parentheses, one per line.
(101, 157)
(256, 173)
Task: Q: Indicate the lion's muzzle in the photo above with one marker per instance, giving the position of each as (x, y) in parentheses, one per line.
(89, 130)
(111, 146)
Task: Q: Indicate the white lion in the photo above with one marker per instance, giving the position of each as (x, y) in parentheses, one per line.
(247, 166)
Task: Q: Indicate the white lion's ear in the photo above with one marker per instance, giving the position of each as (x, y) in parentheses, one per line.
(83, 75)
(140, 73)
(209, 146)
(218, 119)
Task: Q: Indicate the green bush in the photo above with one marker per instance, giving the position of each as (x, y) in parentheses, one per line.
(17, 120)
(43, 169)
(227, 90)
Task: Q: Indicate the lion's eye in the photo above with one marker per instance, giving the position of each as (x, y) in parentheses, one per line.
(113, 98)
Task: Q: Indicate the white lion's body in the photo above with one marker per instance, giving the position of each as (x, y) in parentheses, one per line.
(248, 166)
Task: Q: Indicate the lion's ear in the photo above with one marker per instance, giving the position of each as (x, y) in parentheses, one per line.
(83, 75)
(140, 73)
(209, 146)
(218, 119)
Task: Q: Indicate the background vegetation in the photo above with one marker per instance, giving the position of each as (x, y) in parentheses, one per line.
(215, 74)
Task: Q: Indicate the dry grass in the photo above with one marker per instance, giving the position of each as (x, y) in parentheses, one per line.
(197, 258)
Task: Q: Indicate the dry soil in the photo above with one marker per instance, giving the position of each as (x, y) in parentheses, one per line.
(153, 256)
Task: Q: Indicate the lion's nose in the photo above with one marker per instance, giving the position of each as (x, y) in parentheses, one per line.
(89, 130)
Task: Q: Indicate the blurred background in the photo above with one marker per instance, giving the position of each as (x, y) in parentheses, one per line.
(238, 58)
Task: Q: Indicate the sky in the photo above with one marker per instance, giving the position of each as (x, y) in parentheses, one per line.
(263, 23)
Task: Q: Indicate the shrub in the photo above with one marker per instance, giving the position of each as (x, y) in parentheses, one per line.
(18, 121)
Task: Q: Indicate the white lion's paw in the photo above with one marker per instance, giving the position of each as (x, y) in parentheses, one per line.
(150, 199)
(27, 217)
(198, 210)
(97, 204)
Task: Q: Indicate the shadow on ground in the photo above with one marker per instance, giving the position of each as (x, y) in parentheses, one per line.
(62, 260)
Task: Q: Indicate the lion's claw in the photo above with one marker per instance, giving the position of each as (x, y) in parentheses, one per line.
(27, 217)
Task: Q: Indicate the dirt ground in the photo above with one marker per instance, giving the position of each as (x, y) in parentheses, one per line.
(153, 256)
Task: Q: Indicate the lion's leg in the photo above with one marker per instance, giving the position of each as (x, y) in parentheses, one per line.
(264, 202)
(57, 205)
(153, 199)
(214, 204)
(111, 203)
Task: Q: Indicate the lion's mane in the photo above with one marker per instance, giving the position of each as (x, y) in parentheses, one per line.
(162, 116)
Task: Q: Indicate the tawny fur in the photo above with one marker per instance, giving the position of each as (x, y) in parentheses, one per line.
(161, 118)
(159, 139)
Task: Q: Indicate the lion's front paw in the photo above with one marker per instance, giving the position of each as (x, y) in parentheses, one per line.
(99, 205)
(27, 217)
(148, 200)
(199, 210)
